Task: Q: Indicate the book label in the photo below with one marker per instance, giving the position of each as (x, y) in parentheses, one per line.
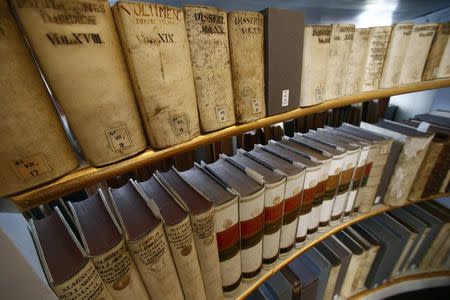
(221, 114)
(180, 125)
(257, 104)
(30, 167)
(119, 138)
(284, 98)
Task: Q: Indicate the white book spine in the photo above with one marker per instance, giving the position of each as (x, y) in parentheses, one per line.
(355, 65)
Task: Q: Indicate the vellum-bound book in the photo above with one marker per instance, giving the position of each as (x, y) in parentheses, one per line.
(395, 54)
(246, 35)
(436, 56)
(341, 43)
(37, 149)
(444, 66)
(155, 44)
(207, 33)
(145, 237)
(417, 52)
(316, 52)
(355, 64)
(93, 218)
(79, 51)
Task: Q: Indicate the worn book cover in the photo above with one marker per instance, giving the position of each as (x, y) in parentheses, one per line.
(344, 256)
(335, 266)
(355, 64)
(444, 66)
(309, 279)
(436, 55)
(320, 266)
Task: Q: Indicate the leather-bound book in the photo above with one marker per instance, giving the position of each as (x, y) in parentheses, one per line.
(437, 120)
(320, 266)
(441, 260)
(37, 150)
(335, 266)
(156, 49)
(207, 33)
(436, 56)
(309, 280)
(146, 240)
(79, 52)
(295, 283)
(246, 35)
(279, 286)
(355, 64)
(282, 64)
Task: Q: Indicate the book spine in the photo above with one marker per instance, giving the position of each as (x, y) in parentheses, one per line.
(86, 284)
(316, 51)
(119, 273)
(444, 66)
(436, 54)
(350, 276)
(357, 181)
(228, 243)
(246, 35)
(331, 282)
(344, 187)
(153, 258)
(184, 253)
(358, 53)
(379, 177)
(331, 189)
(319, 197)
(156, 49)
(75, 47)
(439, 175)
(364, 268)
(207, 33)
(366, 193)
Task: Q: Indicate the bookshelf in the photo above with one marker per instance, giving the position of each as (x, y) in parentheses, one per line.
(87, 175)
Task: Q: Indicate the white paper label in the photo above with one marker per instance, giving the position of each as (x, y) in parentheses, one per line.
(221, 114)
(383, 149)
(118, 138)
(423, 127)
(284, 98)
(256, 105)
(377, 200)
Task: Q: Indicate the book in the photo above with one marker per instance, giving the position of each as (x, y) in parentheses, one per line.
(246, 38)
(395, 54)
(294, 282)
(309, 280)
(344, 256)
(283, 65)
(37, 150)
(180, 235)
(279, 286)
(436, 55)
(355, 65)
(226, 215)
(417, 52)
(373, 62)
(265, 292)
(146, 240)
(436, 120)
(110, 254)
(156, 49)
(201, 213)
(320, 266)
(316, 53)
(75, 45)
(340, 46)
(336, 263)
(441, 256)
(207, 33)
(444, 66)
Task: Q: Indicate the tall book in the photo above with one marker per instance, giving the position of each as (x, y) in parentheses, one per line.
(155, 45)
(335, 267)
(37, 149)
(395, 54)
(309, 280)
(320, 266)
(444, 66)
(341, 43)
(355, 64)
(110, 254)
(283, 65)
(201, 213)
(344, 255)
(436, 55)
(294, 282)
(180, 236)
(70, 273)
(207, 33)
(373, 62)
(226, 215)
(75, 46)
(316, 52)
(417, 52)
(146, 240)
(246, 35)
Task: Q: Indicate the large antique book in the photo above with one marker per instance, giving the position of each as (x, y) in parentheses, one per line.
(246, 35)
(441, 258)
(146, 240)
(79, 51)
(395, 54)
(37, 149)
(436, 55)
(417, 52)
(201, 213)
(279, 286)
(344, 255)
(156, 49)
(341, 43)
(282, 63)
(335, 263)
(180, 236)
(70, 273)
(320, 266)
(444, 66)
(374, 60)
(309, 280)
(226, 215)
(251, 192)
(294, 282)
(316, 52)
(109, 254)
(207, 33)
(355, 64)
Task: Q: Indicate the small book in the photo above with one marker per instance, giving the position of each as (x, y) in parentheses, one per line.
(335, 267)
(279, 286)
(146, 240)
(246, 35)
(309, 280)
(109, 254)
(356, 60)
(436, 56)
(320, 266)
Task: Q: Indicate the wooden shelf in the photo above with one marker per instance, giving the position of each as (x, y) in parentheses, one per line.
(90, 175)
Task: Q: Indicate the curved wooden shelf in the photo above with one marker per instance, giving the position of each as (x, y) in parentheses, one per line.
(89, 175)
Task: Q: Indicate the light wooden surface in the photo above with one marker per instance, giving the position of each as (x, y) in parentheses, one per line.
(89, 175)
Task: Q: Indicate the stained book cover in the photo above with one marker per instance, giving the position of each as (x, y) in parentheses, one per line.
(155, 44)
(246, 35)
(436, 56)
(355, 65)
(146, 240)
(344, 256)
(335, 267)
(109, 254)
(444, 66)
(37, 149)
(79, 52)
(207, 33)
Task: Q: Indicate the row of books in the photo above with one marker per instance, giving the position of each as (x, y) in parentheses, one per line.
(408, 240)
